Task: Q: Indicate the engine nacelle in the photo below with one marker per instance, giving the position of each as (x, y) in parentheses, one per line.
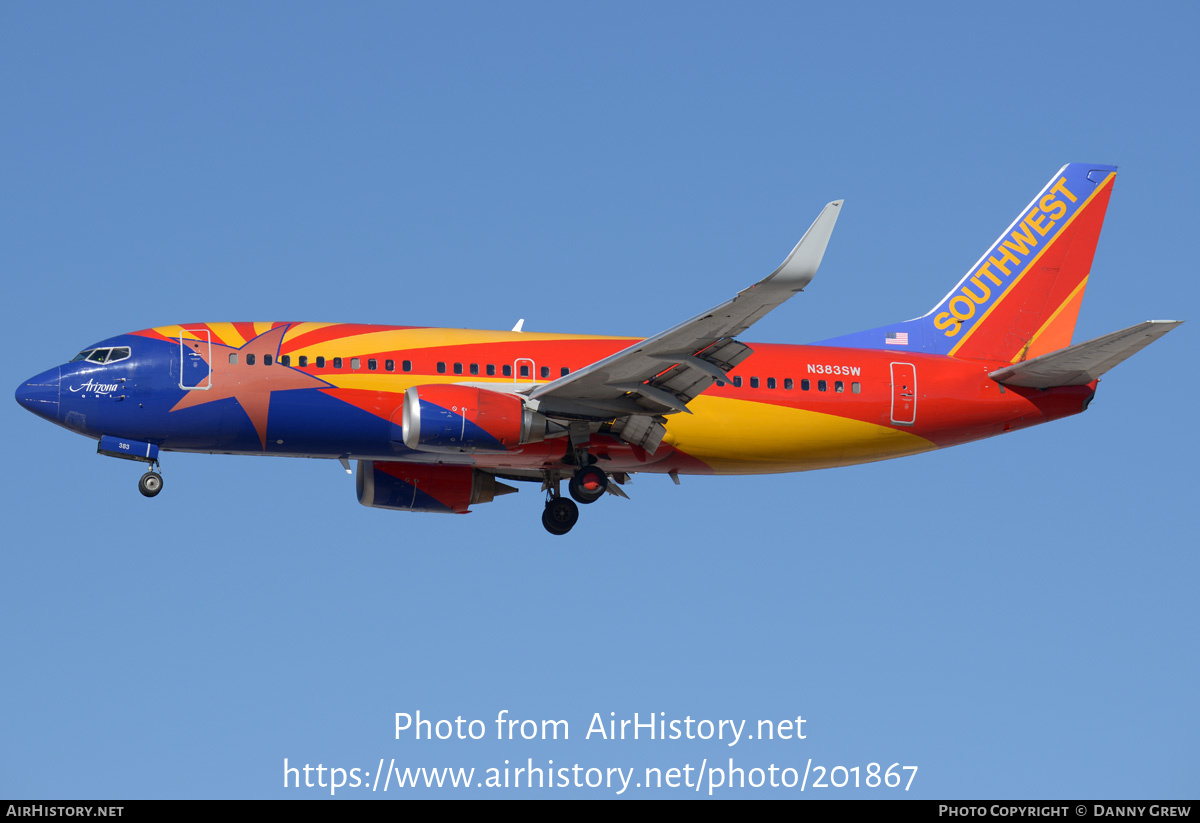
(413, 487)
(454, 418)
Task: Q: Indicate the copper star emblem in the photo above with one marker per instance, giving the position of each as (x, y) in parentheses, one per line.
(250, 386)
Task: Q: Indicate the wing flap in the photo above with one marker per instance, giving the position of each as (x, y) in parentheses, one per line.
(641, 430)
(1084, 362)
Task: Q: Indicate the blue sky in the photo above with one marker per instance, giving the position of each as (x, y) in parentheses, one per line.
(1015, 617)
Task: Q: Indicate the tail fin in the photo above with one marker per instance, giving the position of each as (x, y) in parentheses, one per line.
(1021, 298)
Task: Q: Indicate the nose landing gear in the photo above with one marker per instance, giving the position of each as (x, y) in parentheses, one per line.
(151, 483)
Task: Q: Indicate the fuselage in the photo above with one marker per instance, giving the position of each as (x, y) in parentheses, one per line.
(438, 418)
(332, 390)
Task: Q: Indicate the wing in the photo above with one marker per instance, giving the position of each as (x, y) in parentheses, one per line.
(662, 374)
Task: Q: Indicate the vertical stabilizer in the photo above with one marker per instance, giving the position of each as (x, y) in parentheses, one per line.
(1022, 297)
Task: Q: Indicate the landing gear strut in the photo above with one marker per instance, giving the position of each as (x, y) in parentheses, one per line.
(151, 483)
(560, 514)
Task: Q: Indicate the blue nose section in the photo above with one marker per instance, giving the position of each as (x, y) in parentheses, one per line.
(40, 394)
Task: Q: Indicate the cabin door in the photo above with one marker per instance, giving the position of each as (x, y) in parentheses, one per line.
(904, 394)
(529, 373)
(195, 355)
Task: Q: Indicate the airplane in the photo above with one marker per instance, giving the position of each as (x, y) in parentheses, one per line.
(437, 419)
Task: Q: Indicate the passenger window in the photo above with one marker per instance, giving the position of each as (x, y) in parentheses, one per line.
(805, 385)
(441, 368)
(320, 362)
(249, 360)
(474, 368)
(491, 370)
(564, 371)
(754, 382)
(508, 371)
(285, 360)
(355, 363)
(458, 368)
(770, 382)
(372, 364)
(524, 371)
(406, 365)
(389, 365)
(787, 383)
(839, 387)
(856, 387)
(233, 358)
(720, 383)
(303, 361)
(337, 362)
(822, 385)
(545, 370)
(737, 381)
(266, 359)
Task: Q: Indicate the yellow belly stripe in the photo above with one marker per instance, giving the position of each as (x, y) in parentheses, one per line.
(743, 437)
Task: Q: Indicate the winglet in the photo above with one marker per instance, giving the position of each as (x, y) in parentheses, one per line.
(798, 270)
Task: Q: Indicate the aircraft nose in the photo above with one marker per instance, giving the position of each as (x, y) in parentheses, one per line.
(40, 394)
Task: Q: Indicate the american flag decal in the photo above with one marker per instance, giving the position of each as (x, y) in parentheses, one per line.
(896, 338)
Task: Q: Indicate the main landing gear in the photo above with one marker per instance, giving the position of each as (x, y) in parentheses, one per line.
(587, 485)
(560, 515)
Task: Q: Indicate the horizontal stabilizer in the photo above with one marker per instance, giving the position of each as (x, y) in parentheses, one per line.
(1084, 362)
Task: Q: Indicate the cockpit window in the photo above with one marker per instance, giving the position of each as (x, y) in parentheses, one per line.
(102, 355)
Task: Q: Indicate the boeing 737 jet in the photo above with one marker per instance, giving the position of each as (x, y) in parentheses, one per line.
(439, 420)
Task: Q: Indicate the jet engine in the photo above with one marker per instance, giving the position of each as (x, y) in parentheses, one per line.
(415, 487)
(455, 418)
